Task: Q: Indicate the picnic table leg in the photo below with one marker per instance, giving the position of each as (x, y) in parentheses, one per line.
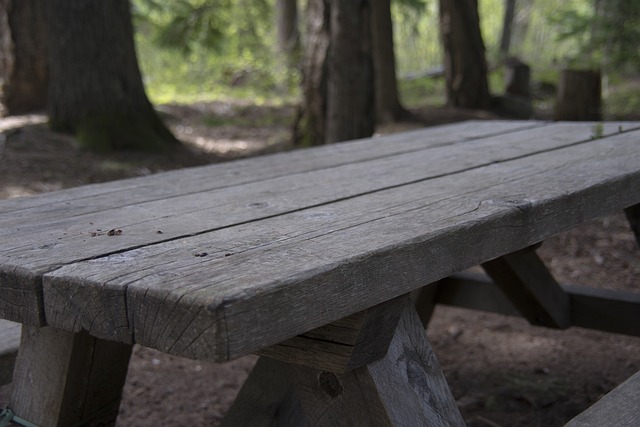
(405, 387)
(64, 379)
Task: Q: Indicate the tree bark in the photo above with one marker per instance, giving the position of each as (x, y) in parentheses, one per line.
(23, 57)
(310, 126)
(579, 96)
(287, 26)
(388, 107)
(351, 103)
(464, 55)
(95, 88)
(338, 82)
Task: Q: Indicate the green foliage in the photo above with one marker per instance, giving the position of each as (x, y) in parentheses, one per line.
(197, 50)
(422, 91)
(192, 50)
(607, 36)
(416, 36)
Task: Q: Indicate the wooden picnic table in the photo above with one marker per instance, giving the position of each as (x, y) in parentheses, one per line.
(307, 258)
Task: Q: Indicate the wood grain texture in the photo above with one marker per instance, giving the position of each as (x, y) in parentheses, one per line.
(62, 378)
(42, 233)
(98, 197)
(342, 346)
(618, 408)
(405, 388)
(188, 289)
(266, 281)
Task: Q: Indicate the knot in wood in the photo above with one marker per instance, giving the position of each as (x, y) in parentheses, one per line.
(330, 384)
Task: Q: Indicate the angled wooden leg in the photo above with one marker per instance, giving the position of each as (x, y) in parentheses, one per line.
(404, 387)
(527, 282)
(424, 299)
(633, 216)
(267, 398)
(63, 378)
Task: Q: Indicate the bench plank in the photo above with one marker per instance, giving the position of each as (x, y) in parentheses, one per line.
(618, 408)
(98, 197)
(592, 308)
(527, 282)
(339, 258)
(64, 237)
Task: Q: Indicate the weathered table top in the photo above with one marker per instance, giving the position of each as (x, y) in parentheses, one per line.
(220, 261)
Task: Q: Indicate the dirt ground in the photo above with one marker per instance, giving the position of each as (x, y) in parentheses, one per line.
(502, 371)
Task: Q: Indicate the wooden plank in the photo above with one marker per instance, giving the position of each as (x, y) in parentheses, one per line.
(592, 308)
(65, 237)
(405, 388)
(618, 408)
(63, 378)
(526, 281)
(9, 343)
(347, 344)
(194, 211)
(292, 273)
(605, 309)
(98, 197)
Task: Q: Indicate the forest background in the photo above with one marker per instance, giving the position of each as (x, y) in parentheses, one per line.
(214, 71)
(230, 49)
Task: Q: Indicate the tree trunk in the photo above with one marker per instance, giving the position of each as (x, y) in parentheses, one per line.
(337, 74)
(287, 26)
(388, 107)
(507, 27)
(23, 57)
(579, 96)
(464, 61)
(310, 126)
(95, 87)
(350, 103)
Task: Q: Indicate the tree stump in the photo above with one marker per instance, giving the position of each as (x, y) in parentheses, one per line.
(579, 96)
(516, 101)
(517, 76)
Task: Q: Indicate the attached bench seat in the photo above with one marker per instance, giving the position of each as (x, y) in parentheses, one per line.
(9, 343)
(618, 408)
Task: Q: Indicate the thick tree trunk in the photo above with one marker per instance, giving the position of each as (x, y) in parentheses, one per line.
(579, 96)
(464, 60)
(95, 87)
(287, 26)
(351, 103)
(23, 57)
(388, 107)
(338, 74)
(310, 126)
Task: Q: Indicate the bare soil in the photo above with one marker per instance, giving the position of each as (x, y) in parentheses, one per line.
(502, 371)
